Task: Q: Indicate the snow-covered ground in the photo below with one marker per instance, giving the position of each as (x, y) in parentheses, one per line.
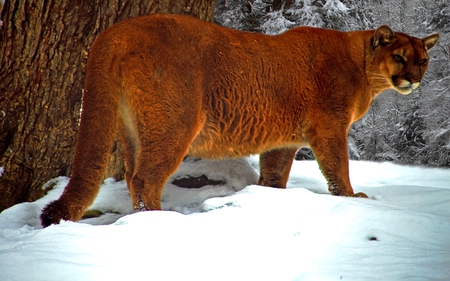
(245, 232)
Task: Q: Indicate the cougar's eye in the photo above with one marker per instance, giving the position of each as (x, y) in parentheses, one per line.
(398, 58)
(423, 61)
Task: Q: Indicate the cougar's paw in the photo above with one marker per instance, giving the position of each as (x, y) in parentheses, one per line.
(360, 195)
(53, 213)
(337, 192)
(140, 207)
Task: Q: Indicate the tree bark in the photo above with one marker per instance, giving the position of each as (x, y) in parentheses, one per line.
(44, 47)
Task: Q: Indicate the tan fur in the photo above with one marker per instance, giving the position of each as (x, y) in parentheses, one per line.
(174, 85)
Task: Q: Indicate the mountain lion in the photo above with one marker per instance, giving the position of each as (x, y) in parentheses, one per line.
(174, 85)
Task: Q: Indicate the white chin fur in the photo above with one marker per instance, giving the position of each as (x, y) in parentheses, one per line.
(404, 91)
(415, 85)
(406, 87)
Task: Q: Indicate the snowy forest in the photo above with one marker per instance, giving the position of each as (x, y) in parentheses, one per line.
(413, 129)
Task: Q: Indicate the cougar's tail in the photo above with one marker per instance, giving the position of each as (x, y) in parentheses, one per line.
(100, 105)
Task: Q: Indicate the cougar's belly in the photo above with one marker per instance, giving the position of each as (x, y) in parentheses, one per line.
(213, 141)
(210, 144)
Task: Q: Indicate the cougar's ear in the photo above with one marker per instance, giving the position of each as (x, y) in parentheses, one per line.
(430, 41)
(383, 35)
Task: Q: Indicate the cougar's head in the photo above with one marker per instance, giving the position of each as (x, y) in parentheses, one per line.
(402, 59)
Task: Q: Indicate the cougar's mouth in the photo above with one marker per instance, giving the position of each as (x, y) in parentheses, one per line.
(404, 86)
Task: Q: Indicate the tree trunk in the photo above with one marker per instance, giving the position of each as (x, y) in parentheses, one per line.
(44, 47)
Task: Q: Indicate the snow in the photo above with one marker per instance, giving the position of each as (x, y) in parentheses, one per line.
(242, 231)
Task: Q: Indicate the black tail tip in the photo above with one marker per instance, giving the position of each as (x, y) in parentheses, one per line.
(53, 213)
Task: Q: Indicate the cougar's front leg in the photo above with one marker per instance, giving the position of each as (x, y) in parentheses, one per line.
(275, 166)
(329, 144)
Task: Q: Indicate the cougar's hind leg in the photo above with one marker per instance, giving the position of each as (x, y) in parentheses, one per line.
(129, 144)
(275, 166)
(164, 119)
(164, 132)
(159, 157)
